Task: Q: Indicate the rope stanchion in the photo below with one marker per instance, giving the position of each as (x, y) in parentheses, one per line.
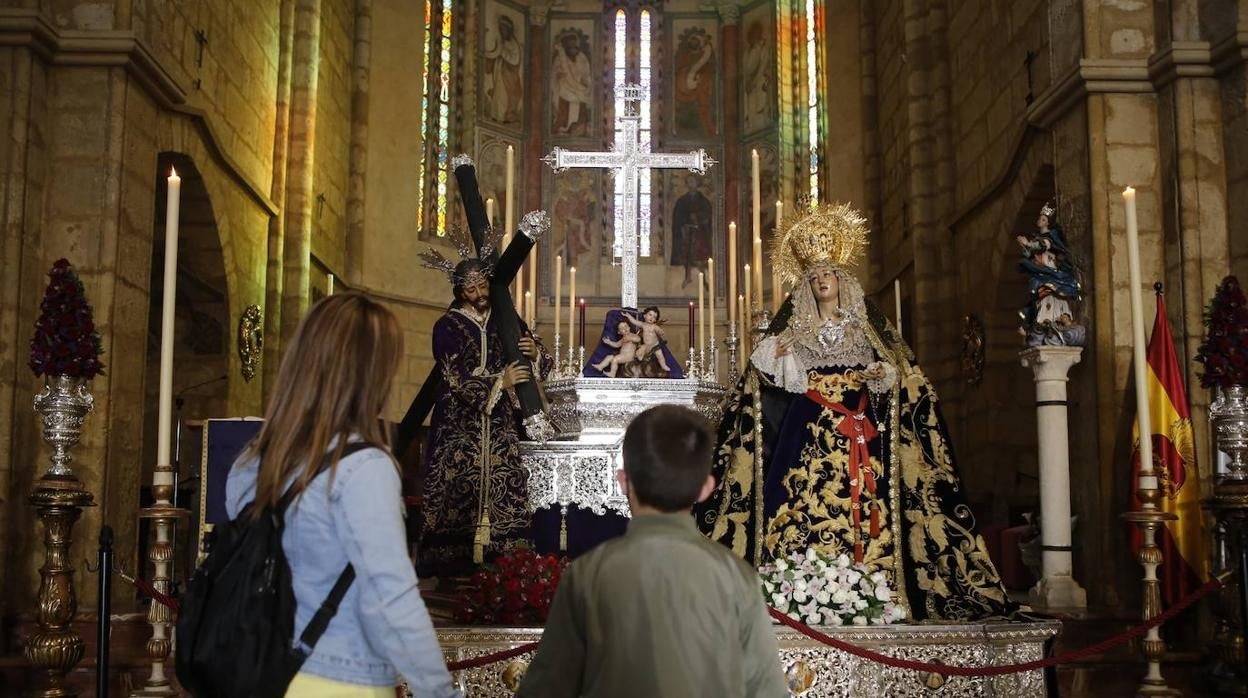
(947, 670)
(927, 667)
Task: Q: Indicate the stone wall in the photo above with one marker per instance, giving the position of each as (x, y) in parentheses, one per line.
(91, 117)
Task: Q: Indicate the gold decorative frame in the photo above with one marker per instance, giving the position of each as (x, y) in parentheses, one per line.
(250, 340)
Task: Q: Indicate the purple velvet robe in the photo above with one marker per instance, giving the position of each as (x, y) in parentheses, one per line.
(476, 488)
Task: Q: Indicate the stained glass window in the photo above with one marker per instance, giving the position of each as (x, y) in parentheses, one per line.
(434, 120)
(641, 67)
(812, 98)
(444, 112)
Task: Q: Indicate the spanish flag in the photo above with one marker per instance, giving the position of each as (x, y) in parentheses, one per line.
(1174, 460)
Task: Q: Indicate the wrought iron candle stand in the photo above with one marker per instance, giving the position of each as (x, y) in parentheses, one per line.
(58, 497)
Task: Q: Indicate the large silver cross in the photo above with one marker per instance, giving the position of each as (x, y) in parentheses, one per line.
(629, 160)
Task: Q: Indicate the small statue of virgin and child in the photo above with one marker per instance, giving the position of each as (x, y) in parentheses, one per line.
(1053, 286)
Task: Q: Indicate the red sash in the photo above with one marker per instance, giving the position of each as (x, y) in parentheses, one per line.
(858, 428)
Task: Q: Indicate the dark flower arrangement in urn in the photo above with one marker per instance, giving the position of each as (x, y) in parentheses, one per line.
(1224, 355)
(65, 350)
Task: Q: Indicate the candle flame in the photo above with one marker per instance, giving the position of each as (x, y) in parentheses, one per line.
(173, 172)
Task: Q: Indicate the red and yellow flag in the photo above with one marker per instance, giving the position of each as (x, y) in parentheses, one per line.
(1174, 459)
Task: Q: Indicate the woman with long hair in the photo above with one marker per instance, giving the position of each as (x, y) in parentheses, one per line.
(332, 386)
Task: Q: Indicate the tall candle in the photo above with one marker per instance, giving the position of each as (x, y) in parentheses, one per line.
(758, 270)
(747, 318)
(897, 300)
(732, 272)
(741, 355)
(1147, 477)
(528, 309)
(756, 184)
(777, 293)
(710, 301)
(509, 220)
(558, 289)
(701, 306)
(779, 212)
(329, 285)
(692, 333)
(532, 287)
(582, 332)
(489, 210)
(165, 405)
(571, 307)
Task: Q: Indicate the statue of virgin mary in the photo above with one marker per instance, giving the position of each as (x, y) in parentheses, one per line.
(833, 440)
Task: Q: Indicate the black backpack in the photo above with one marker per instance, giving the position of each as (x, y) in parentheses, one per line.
(237, 618)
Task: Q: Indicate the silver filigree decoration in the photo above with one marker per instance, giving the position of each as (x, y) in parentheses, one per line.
(538, 428)
(535, 224)
(63, 405)
(460, 160)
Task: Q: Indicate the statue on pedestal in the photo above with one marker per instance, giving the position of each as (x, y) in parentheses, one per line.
(1048, 319)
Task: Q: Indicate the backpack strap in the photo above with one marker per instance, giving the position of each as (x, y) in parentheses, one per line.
(329, 608)
(289, 497)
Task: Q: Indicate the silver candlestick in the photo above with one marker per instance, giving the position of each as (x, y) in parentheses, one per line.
(580, 363)
(702, 363)
(731, 342)
(570, 370)
(558, 368)
(692, 365)
(712, 371)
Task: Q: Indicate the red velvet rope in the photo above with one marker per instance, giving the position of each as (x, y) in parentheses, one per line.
(930, 667)
(943, 669)
(947, 670)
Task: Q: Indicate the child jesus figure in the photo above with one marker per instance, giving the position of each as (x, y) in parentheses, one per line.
(627, 345)
(652, 336)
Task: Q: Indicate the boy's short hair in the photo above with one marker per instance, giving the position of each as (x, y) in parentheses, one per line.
(667, 456)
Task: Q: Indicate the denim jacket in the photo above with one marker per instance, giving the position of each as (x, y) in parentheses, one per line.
(382, 629)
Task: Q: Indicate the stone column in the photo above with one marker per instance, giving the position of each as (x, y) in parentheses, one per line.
(297, 244)
(1057, 587)
(277, 224)
(361, 66)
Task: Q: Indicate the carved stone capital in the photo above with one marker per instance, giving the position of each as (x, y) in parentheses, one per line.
(729, 10)
(539, 11)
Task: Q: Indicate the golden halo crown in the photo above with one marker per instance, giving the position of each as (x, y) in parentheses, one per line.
(834, 234)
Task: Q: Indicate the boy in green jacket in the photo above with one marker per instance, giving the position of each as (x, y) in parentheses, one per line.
(662, 611)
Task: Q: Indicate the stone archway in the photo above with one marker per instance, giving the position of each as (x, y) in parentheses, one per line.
(202, 337)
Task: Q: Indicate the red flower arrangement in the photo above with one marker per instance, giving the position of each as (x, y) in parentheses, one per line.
(65, 341)
(1224, 352)
(516, 589)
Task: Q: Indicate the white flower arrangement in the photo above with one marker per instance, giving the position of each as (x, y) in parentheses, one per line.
(814, 589)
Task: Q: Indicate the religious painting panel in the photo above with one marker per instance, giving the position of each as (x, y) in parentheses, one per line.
(769, 188)
(693, 87)
(503, 47)
(491, 159)
(574, 79)
(758, 68)
(689, 213)
(575, 206)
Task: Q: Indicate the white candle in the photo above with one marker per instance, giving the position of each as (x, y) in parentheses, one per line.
(747, 318)
(779, 212)
(702, 308)
(710, 304)
(528, 309)
(741, 355)
(732, 272)
(571, 307)
(897, 301)
(329, 285)
(532, 287)
(756, 186)
(489, 210)
(1148, 477)
(509, 222)
(165, 410)
(558, 289)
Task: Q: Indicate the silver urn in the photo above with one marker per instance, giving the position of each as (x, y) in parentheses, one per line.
(1228, 415)
(63, 405)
